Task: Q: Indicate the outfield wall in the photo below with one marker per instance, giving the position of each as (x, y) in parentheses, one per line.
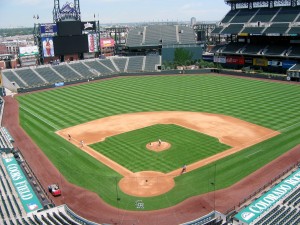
(165, 72)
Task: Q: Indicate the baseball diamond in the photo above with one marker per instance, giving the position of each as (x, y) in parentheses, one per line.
(219, 97)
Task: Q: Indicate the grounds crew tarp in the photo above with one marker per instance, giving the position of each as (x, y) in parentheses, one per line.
(259, 206)
(27, 196)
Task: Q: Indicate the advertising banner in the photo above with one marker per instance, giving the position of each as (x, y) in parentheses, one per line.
(28, 51)
(27, 196)
(91, 25)
(48, 28)
(260, 62)
(259, 206)
(59, 84)
(209, 58)
(220, 59)
(275, 63)
(286, 64)
(48, 47)
(235, 60)
(93, 42)
(107, 42)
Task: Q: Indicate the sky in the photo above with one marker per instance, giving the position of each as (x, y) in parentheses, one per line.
(19, 13)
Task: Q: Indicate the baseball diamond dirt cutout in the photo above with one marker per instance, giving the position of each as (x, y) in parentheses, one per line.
(231, 131)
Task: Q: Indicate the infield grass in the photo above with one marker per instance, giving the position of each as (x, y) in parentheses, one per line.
(270, 104)
(187, 146)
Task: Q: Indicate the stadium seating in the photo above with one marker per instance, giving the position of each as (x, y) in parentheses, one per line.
(121, 63)
(217, 30)
(253, 30)
(254, 49)
(186, 35)
(169, 34)
(286, 14)
(108, 63)
(229, 16)
(276, 50)
(277, 28)
(31, 78)
(243, 16)
(264, 15)
(217, 48)
(294, 30)
(49, 75)
(94, 64)
(82, 69)
(135, 37)
(233, 29)
(66, 72)
(233, 47)
(295, 51)
(155, 35)
(13, 78)
(135, 64)
(151, 62)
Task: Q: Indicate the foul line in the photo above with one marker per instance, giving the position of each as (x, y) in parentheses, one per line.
(289, 127)
(40, 118)
(253, 153)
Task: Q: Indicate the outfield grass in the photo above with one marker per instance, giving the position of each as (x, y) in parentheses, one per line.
(188, 146)
(272, 105)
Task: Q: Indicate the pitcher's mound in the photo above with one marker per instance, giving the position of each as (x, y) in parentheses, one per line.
(146, 184)
(155, 146)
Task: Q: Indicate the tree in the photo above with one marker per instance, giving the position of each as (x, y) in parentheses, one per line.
(182, 56)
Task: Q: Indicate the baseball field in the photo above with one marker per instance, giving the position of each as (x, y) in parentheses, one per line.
(271, 107)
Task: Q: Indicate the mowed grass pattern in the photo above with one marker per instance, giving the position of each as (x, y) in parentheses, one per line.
(129, 149)
(269, 104)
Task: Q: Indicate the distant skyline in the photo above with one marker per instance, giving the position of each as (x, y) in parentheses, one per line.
(19, 13)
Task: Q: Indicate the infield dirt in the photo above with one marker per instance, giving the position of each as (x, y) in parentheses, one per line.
(231, 131)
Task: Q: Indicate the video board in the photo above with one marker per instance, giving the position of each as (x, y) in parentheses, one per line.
(48, 47)
(68, 28)
(70, 44)
(47, 28)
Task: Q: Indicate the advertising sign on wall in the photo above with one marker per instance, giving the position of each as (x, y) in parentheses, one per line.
(220, 59)
(260, 62)
(48, 47)
(90, 25)
(288, 64)
(107, 42)
(48, 28)
(275, 63)
(235, 60)
(23, 188)
(274, 195)
(29, 51)
(93, 42)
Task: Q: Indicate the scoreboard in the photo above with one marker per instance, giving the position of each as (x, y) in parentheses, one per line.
(70, 44)
(68, 37)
